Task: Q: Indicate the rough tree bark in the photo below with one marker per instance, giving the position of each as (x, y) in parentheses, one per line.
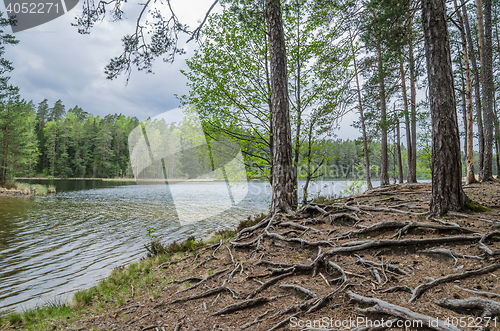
(384, 163)
(479, 111)
(470, 178)
(362, 117)
(487, 81)
(447, 192)
(407, 117)
(400, 160)
(412, 167)
(282, 182)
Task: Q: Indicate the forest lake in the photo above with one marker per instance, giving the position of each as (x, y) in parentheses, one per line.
(54, 245)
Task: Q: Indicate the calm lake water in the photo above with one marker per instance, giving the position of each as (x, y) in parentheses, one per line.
(52, 246)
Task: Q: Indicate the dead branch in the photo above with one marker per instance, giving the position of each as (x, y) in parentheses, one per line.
(489, 308)
(298, 226)
(384, 307)
(404, 288)
(268, 283)
(483, 294)
(339, 269)
(203, 281)
(386, 266)
(167, 264)
(419, 290)
(245, 244)
(259, 318)
(178, 326)
(299, 289)
(298, 240)
(486, 249)
(243, 305)
(283, 322)
(203, 294)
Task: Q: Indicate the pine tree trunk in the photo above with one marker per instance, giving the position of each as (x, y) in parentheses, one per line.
(282, 182)
(407, 115)
(468, 114)
(362, 117)
(412, 168)
(400, 160)
(487, 82)
(447, 192)
(384, 164)
(479, 111)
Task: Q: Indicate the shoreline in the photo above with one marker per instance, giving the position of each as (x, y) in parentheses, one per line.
(149, 287)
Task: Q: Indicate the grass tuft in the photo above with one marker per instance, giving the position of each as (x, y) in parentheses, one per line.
(473, 206)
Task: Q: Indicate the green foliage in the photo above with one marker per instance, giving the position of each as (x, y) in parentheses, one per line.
(353, 187)
(78, 144)
(18, 149)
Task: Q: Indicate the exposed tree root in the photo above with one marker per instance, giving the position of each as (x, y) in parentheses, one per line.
(202, 281)
(383, 307)
(344, 216)
(454, 213)
(243, 305)
(259, 318)
(298, 226)
(299, 289)
(483, 294)
(270, 282)
(298, 240)
(489, 308)
(403, 242)
(485, 248)
(419, 290)
(386, 266)
(450, 253)
(403, 288)
(203, 294)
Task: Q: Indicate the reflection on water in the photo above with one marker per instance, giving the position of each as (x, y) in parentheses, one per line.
(51, 246)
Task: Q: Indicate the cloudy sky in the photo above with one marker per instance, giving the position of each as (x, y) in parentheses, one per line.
(53, 61)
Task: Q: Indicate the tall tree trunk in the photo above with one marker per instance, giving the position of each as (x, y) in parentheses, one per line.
(468, 115)
(270, 105)
(384, 164)
(362, 117)
(477, 81)
(400, 160)
(282, 183)
(299, 120)
(447, 192)
(487, 82)
(497, 138)
(412, 167)
(406, 114)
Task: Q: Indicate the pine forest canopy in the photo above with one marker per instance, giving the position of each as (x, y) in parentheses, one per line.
(276, 77)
